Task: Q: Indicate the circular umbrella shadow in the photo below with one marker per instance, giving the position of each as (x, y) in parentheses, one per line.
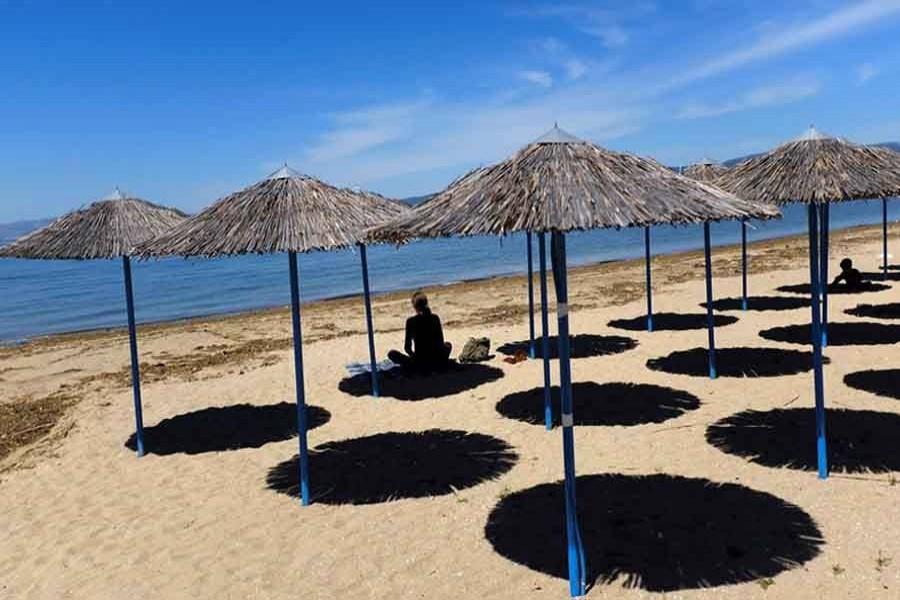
(880, 276)
(883, 382)
(839, 334)
(581, 346)
(405, 385)
(659, 532)
(858, 440)
(804, 288)
(736, 362)
(220, 428)
(876, 311)
(603, 404)
(672, 322)
(761, 303)
(391, 466)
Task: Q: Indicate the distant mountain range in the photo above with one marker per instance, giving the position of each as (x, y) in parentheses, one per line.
(12, 231)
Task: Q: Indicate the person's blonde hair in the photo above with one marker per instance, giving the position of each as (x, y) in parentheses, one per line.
(420, 301)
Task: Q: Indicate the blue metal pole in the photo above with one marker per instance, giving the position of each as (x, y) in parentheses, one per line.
(531, 349)
(710, 322)
(298, 379)
(744, 264)
(823, 283)
(135, 365)
(818, 376)
(577, 572)
(649, 282)
(545, 332)
(884, 244)
(373, 363)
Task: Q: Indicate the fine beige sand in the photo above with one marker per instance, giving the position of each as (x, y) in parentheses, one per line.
(82, 517)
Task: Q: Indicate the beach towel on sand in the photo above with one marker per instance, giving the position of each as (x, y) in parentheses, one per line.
(358, 368)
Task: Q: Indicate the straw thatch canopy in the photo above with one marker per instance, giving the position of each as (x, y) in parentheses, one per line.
(562, 183)
(816, 168)
(706, 170)
(109, 228)
(286, 212)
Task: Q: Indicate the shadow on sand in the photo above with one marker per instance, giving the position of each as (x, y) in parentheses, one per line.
(761, 303)
(876, 311)
(839, 334)
(603, 404)
(582, 346)
(735, 362)
(859, 441)
(221, 428)
(659, 532)
(672, 322)
(391, 466)
(884, 382)
(803, 288)
(406, 385)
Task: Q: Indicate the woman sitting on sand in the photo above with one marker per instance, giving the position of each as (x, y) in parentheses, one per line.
(425, 346)
(850, 277)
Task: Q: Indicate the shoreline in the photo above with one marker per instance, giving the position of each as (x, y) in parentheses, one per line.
(151, 327)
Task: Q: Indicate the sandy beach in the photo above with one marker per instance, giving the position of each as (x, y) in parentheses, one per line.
(698, 488)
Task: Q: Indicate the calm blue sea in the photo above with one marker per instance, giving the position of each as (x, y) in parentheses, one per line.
(45, 297)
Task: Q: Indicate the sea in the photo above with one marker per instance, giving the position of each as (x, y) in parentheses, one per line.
(39, 298)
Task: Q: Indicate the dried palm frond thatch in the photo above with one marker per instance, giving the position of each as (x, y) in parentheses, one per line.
(286, 212)
(706, 170)
(109, 228)
(816, 168)
(561, 183)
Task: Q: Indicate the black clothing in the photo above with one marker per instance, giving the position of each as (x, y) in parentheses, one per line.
(424, 344)
(851, 277)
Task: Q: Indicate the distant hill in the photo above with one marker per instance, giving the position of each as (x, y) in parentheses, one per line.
(895, 146)
(10, 232)
(413, 200)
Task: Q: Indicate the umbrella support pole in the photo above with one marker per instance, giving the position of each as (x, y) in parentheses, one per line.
(577, 574)
(531, 346)
(744, 265)
(373, 362)
(884, 244)
(545, 332)
(818, 375)
(135, 365)
(303, 462)
(710, 322)
(823, 283)
(649, 280)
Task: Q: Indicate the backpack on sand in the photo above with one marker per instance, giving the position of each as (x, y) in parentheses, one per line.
(475, 350)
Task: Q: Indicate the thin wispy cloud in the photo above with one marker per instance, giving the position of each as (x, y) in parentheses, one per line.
(775, 43)
(757, 98)
(540, 78)
(575, 69)
(366, 129)
(612, 36)
(604, 23)
(865, 73)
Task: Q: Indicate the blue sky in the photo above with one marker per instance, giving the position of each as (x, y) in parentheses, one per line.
(183, 104)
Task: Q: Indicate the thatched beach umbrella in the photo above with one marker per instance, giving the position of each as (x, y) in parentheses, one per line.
(110, 228)
(891, 155)
(285, 213)
(558, 184)
(816, 169)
